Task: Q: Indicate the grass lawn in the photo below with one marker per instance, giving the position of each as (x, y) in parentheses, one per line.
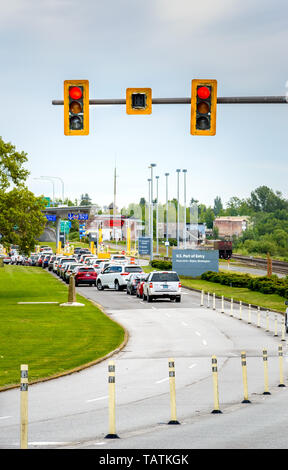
(269, 301)
(49, 338)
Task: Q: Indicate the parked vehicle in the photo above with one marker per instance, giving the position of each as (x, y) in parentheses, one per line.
(132, 282)
(119, 259)
(50, 263)
(115, 276)
(62, 261)
(34, 259)
(140, 285)
(46, 261)
(7, 259)
(70, 269)
(85, 275)
(162, 284)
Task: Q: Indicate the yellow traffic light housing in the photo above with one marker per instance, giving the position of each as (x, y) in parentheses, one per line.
(203, 107)
(139, 100)
(76, 107)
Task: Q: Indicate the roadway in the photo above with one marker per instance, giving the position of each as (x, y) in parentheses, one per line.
(72, 412)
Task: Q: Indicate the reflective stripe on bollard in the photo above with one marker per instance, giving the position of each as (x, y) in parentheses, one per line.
(280, 354)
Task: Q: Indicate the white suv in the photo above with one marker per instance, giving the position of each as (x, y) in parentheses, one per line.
(115, 276)
(162, 284)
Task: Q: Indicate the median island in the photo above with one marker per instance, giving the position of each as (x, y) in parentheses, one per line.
(53, 341)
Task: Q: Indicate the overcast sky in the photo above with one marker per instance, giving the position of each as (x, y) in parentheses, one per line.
(162, 44)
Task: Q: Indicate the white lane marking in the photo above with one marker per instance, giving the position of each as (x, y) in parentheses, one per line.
(100, 443)
(184, 324)
(5, 417)
(168, 315)
(192, 365)
(204, 342)
(197, 333)
(162, 380)
(96, 399)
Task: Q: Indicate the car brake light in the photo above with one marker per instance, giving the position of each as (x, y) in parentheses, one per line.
(151, 284)
(179, 285)
(124, 274)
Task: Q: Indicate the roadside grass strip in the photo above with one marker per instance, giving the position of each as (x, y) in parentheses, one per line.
(52, 340)
(268, 301)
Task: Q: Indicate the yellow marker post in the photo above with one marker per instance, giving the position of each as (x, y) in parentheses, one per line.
(222, 304)
(275, 325)
(280, 354)
(249, 314)
(231, 308)
(24, 407)
(267, 320)
(244, 373)
(128, 240)
(202, 298)
(266, 382)
(258, 317)
(215, 386)
(171, 365)
(214, 302)
(283, 328)
(111, 386)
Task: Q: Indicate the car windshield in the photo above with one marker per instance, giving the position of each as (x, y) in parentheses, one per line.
(164, 277)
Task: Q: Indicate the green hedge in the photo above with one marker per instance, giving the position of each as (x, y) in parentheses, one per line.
(161, 264)
(263, 284)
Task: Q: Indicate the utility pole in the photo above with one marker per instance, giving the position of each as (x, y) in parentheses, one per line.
(152, 165)
(157, 233)
(167, 240)
(178, 171)
(184, 228)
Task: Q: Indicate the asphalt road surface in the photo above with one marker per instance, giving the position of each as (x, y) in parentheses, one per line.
(72, 412)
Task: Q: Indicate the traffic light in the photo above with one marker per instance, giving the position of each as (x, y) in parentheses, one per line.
(139, 100)
(76, 107)
(203, 107)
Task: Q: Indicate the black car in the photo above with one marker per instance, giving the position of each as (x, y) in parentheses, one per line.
(132, 282)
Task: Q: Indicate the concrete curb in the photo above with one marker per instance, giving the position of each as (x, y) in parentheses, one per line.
(83, 366)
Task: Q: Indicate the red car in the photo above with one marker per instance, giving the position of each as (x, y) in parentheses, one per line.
(85, 275)
(139, 289)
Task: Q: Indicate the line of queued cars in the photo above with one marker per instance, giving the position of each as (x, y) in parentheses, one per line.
(116, 273)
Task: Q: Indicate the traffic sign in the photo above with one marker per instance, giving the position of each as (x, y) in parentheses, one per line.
(144, 245)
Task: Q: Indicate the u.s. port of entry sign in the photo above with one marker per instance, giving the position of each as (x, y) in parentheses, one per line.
(194, 262)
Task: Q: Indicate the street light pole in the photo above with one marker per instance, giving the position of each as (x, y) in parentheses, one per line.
(152, 165)
(149, 208)
(184, 228)
(62, 182)
(167, 240)
(178, 171)
(157, 238)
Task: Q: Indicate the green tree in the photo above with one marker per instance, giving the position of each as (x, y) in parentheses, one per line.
(85, 200)
(218, 206)
(21, 218)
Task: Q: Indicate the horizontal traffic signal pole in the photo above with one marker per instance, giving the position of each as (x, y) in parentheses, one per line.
(220, 100)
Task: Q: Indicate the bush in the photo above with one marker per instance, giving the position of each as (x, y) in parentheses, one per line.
(263, 284)
(161, 264)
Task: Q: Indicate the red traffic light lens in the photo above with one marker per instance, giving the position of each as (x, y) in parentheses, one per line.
(75, 93)
(203, 92)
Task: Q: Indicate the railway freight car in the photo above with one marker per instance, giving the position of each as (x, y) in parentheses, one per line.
(224, 247)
